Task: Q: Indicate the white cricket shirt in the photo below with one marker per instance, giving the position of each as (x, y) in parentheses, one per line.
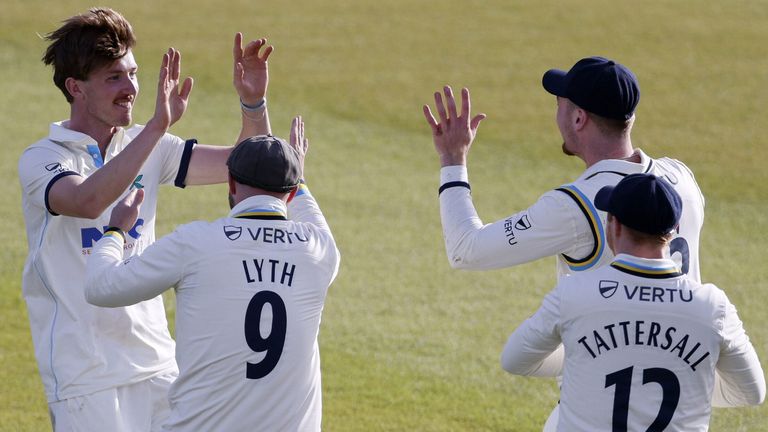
(81, 349)
(563, 222)
(642, 344)
(250, 290)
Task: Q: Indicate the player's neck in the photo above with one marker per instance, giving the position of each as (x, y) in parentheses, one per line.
(100, 132)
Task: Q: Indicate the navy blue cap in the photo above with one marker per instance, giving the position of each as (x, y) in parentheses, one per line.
(643, 202)
(265, 162)
(598, 85)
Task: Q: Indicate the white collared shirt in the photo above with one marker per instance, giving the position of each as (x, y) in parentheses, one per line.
(563, 222)
(81, 349)
(250, 290)
(642, 344)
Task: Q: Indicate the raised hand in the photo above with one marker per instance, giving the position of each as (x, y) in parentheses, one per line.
(298, 141)
(171, 101)
(250, 72)
(179, 98)
(454, 134)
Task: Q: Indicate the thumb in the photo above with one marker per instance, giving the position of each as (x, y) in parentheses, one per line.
(475, 123)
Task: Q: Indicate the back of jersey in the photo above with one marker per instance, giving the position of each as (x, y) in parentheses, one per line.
(248, 314)
(685, 247)
(640, 351)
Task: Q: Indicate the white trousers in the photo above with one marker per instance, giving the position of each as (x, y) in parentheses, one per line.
(142, 406)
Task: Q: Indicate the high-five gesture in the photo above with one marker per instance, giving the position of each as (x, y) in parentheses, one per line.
(454, 134)
(250, 74)
(171, 102)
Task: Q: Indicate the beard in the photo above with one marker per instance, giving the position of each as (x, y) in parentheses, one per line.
(231, 201)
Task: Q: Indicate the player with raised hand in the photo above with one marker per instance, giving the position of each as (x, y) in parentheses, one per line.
(596, 102)
(109, 369)
(250, 289)
(646, 348)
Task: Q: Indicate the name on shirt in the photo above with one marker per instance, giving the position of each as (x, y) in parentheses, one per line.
(644, 333)
(268, 270)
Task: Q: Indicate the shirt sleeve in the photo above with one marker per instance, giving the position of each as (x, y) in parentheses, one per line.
(39, 169)
(176, 155)
(534, 348)
(112, 282)
(551, 226)
(739, 379)
(303, 208)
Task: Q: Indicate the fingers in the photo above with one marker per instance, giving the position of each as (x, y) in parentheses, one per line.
(431, 120)
(451, 102)
(138, 198)
(163, 78)
(253, 47)
(294, 135)
(237, 48)
(476, 122)
(134, 198)
(186, 88)
(440, 107)
(174, 66)
(465, 103)
(267, 51)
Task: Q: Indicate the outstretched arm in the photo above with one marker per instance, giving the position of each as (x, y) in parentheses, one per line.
(250, 78)
(77, 196)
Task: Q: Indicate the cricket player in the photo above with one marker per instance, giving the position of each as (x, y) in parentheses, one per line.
(643, 342)
(109, 369)
(250, 289)
(596, 102)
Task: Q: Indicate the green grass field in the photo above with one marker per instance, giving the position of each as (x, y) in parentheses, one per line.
(407, 343)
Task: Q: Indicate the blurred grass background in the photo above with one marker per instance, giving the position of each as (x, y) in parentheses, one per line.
(407, 343)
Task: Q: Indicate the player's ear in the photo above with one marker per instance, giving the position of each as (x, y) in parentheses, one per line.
(579, 118)
(73, 87)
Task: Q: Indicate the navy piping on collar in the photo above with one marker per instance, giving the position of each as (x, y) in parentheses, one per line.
(262, 217)
(646, 272)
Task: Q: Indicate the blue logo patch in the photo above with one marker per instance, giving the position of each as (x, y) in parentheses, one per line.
(89, 236)
(233, 232)
(608, 288)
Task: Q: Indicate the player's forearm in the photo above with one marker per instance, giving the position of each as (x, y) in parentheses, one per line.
(521, 357)
(255, 123)
(102, 188)
(111, 283)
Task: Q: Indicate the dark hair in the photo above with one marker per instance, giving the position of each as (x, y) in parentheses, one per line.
(85, 43)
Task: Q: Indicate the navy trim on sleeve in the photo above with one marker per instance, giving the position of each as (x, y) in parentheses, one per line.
(449, 185)
(48, 188)
(181, 176)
